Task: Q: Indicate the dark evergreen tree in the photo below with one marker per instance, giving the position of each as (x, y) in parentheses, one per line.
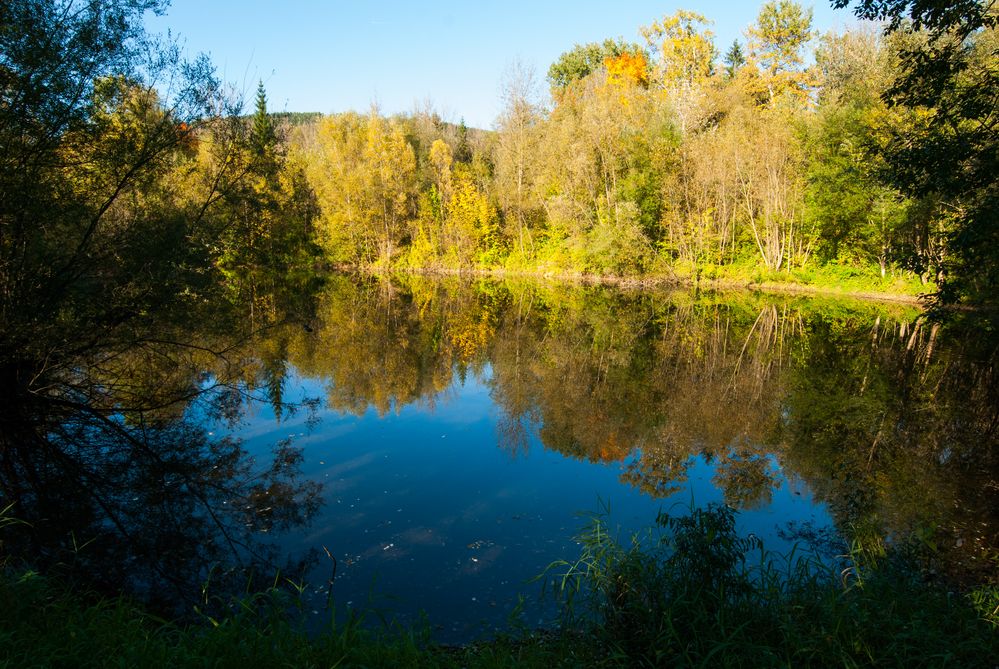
(463, 152)
(263, 136)
(734, 59)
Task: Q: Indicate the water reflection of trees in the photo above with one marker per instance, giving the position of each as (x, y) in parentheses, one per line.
(894, 424)
(105, 457)
(653, 380)
(381, 347)
(889, 418)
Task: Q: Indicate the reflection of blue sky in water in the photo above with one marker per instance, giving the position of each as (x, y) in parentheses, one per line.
(425, 509)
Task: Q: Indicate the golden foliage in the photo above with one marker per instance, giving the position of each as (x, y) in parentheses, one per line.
(628, 69)
(685, 47)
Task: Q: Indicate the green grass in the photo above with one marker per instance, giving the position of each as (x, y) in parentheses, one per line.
(830, 277)
(42, 624)
(689, 592)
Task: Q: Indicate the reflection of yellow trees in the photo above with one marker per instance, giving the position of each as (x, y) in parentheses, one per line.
(873, 407)
(597, 374)
(716, 372)
(653, 378)
(383, 347)
(370, 353)
(882, 416)
(745, 476)
(472, 338)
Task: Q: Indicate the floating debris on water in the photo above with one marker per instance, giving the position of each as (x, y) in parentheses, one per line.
(481, 543)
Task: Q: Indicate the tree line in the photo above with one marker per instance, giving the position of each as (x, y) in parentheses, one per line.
(138, 202)
(865, 152)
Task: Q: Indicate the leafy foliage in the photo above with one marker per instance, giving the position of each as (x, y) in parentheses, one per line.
(122, 198)
(654, 162)
(585, 59)
(692, 592)
(945, 152)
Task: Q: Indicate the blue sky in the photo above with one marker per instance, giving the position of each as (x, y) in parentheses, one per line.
(333, 56)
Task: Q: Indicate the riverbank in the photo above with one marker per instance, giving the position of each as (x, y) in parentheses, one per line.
(902, 292)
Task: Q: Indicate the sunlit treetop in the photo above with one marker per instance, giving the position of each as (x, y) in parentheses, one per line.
(782, 30)
(584, 59)
(685, 47)
(628, 69)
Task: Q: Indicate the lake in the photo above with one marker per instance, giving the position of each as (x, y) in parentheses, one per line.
(433, 445)
(462, 432)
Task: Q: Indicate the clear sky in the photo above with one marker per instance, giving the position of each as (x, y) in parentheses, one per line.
(338, 55)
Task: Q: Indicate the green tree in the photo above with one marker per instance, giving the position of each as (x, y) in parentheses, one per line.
(91, 230)
(857, 218)
(947, 150)
(111, 215)
(463, 151)
(583, 59)
(734, 59)
(263, 137)
(271, 210)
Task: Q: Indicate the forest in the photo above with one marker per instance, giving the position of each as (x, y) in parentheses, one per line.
(861, 158)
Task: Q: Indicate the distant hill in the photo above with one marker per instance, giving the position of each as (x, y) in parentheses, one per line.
(295, 118)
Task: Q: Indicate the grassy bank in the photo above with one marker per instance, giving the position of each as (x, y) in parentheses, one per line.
(689, 592)
(826, 280)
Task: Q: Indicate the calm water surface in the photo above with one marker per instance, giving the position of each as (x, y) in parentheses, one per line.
(428, 508)
(459, 431)
(445, 440)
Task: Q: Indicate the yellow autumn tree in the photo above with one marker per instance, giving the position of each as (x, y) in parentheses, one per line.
(333, 167)
(440, 161)
(391, 172)
(457, 224)
(776, 48)
(685, 48)
(685, 52)
(470, 229)
(363, 172)
(627, 69)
